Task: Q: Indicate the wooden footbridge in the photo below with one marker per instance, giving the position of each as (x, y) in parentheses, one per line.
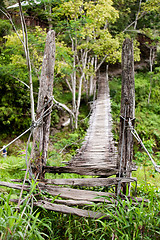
(98, 154)
(98, 158)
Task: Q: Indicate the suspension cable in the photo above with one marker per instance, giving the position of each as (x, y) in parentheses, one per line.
(135, 134)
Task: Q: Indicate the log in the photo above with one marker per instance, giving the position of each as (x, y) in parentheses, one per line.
(70, 202)
(75, 211)
(79, 203)
(66, 209)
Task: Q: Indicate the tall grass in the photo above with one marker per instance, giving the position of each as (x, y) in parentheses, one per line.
(133, 222)
(23, 224)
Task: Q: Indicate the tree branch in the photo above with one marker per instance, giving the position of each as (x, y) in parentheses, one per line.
(20, 81)
(101, 63)
(63, 106)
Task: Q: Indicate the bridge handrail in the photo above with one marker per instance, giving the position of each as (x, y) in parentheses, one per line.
(135, 134)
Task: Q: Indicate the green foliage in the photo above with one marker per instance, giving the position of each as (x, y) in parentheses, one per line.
(10, 168)
(126, 220)
(64, 146)
(151, 6)
(85, 23)
(15, 98)
(5, 28)
(14, 106)
(147, 115)
(115, 94)
(127, 12)
(20, 225)
(130, 221)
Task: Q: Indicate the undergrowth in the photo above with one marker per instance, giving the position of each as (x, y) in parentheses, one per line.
(126, 220)
(23, 224)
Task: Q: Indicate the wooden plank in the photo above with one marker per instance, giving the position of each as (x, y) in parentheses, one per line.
(88, 182)
(69, 202)
(92, 171)
(92, 165)
(13, 185)
(70, 210)
(77, 194)
(69, 193)
(98, 149)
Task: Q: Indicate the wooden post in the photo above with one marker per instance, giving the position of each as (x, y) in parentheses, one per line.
(125, 150)
(41, 134)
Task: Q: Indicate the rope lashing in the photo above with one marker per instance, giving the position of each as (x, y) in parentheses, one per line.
(135, 134)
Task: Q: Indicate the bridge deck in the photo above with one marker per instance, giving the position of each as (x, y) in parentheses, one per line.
(98, 149)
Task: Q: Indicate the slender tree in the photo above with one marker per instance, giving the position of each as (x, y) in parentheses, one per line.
(87, 35)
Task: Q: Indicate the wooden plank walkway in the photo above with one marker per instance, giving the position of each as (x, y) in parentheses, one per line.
(98, 149)
(98, 154)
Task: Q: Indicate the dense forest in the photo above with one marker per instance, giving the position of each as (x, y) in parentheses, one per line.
(88, 42)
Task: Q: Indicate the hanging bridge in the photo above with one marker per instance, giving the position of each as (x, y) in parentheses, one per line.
(98, 154)
(97, 159)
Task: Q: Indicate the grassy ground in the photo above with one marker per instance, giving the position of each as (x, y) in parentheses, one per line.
(127, 221)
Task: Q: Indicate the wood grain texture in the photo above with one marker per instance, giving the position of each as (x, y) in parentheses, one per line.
(84, 170)
(77, 194)
(88, 182)
(127, 109)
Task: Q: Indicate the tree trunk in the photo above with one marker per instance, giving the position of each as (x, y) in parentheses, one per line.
(41, 134)
(91, 88)
(152, 56)
(127, 110)
(26, 49)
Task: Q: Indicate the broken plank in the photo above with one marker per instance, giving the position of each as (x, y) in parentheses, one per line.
(70, 202)
(70, 210)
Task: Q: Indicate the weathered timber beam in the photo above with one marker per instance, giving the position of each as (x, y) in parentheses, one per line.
(69, 202)
(125, 151)
(88, 182)
(69, 210)
(13, 185)
(92, 171)
(77, 194)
